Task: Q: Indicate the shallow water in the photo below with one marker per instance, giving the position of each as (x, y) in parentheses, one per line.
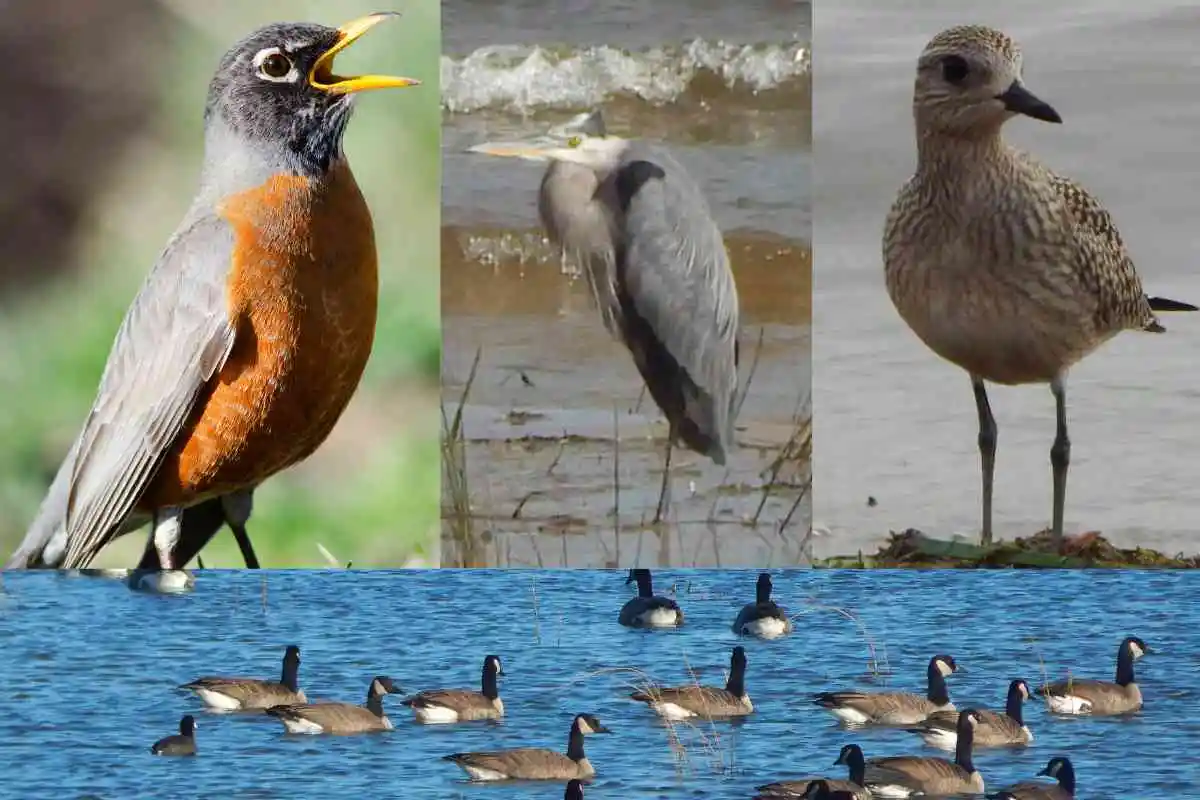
(91, 663)
(903, 421)
(730, 94)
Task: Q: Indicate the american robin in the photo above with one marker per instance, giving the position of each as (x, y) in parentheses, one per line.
(252, 331)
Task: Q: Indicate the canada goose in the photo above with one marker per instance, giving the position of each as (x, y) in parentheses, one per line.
(693, 700)
(1086, 696)
(906, 776)
(574, 790)
(179, 744)
(815, 789)
(339, 718)
(648, 610)
(240, 694)
(821, 790)
(534, 763)
(939, 729)
(853, 789)
(461, 705)
(763, 618)
(1059, 768)
(894, 708)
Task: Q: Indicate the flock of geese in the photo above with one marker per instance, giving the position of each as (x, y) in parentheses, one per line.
(932, 716)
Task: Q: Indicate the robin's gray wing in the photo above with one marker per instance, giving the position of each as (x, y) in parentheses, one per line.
(675, 273)
(175, 337)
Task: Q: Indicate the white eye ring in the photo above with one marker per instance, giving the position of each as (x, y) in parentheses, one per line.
(261, 56)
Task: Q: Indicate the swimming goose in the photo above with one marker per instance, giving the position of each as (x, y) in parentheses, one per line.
(461, 705)
(339, 718)
(534, 763)
(179, 744)
(574, 790)
(648, 610)
(815, 789)
(853, 789)
(240, 694)
(994, 729)
(893, 708)
(1059, 768)
(821, 790)
(709, 702)
(1086, 696)
(763, 618)
(907, 776)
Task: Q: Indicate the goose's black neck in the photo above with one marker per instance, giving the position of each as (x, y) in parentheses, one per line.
(375, 701)
(857, 766)
(1124, 666)
(763, 589)
(291, 674)
(736, 685)
(575, 743)
(938, 692)
(489, 690)
(1066, 777)
(644, 583)
(965, 743)
(1014, 705)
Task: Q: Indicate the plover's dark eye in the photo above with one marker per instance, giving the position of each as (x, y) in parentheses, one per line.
(276, 66)
(955, 69)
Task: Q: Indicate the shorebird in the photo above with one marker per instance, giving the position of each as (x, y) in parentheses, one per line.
(998, 264)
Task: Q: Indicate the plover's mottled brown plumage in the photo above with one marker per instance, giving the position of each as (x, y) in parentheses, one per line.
(998, 264)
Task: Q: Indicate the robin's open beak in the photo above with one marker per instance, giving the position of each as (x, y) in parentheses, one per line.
(322, 76)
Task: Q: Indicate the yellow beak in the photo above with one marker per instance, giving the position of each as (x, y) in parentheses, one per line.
(322, 77)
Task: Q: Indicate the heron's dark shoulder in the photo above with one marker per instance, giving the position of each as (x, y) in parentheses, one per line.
(645, 163)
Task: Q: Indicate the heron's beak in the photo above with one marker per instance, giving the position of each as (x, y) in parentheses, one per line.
(537, 148)
(322, 76)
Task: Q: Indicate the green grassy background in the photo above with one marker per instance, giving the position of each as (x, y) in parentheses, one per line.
(370, 495)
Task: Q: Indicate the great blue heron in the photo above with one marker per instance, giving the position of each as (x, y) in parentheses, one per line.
(643, 236)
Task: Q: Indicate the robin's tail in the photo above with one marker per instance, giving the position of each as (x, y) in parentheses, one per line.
(1166, 304)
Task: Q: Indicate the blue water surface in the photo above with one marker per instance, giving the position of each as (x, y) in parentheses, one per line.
(89, 669)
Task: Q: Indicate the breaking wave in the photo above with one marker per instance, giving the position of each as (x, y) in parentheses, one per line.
(524, 78)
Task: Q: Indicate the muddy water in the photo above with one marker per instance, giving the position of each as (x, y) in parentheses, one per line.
(564, 457)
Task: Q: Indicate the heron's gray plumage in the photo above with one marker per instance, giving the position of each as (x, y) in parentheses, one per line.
(677, 296)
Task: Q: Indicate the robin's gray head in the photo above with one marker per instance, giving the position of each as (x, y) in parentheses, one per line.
(969, 83)
(277, 87)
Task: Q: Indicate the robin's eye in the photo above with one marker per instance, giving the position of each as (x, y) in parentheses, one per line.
(274, 65)
(955, 69)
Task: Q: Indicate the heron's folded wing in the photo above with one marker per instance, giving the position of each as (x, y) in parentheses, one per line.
(675, 268)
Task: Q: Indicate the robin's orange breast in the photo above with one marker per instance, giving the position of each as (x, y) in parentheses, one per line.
(302, 293)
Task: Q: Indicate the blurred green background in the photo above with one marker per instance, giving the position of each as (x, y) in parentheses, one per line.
(103, 148)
